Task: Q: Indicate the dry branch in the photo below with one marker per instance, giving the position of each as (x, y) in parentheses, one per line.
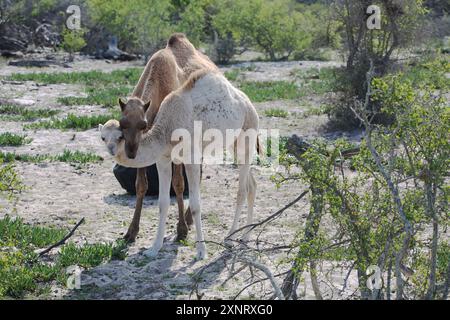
(63, 240)
(271, 217)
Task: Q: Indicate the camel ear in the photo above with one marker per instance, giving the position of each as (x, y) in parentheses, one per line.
(122, 104)
(146, 106)
(100, 127)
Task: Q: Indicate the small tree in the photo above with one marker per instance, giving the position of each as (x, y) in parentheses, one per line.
(141, 26)
(392, 212)
(400, 21)
(73, 41)
(275, 28)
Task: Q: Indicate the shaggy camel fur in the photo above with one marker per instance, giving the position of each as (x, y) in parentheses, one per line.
(165, 72)
(208, 98)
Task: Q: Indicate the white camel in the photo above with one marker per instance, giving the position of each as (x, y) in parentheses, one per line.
(207, 97)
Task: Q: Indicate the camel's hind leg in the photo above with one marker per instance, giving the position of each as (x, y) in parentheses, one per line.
(244, 170)
(178, 186)
(244, 150)
(251, 195)
(193, 173)
(141, 190)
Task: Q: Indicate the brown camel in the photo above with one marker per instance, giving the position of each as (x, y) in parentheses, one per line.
(165, 72)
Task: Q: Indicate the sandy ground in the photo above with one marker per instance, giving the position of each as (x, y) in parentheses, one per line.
(60, 194)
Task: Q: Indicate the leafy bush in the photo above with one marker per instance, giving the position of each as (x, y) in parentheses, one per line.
(392, 210)
(10, 182)
(319, 81)
(430, 70)
(141, 26)
(10, 139)
(22, 272)
(272, 26)
(73, 40)
(426, 71)
(400, 22)
(90, 255)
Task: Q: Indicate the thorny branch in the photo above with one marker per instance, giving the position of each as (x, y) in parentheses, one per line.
(247, 255)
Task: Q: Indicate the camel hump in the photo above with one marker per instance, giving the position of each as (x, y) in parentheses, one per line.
(194, 77)
(176, 38)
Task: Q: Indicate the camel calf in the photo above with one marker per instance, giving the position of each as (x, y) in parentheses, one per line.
(206, 97)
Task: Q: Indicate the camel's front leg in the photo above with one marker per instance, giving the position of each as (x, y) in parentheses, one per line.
(141, 190)
(164, 167)
(193, 175)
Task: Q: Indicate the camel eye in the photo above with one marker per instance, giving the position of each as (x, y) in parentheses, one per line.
(142, 125)
(121, 137)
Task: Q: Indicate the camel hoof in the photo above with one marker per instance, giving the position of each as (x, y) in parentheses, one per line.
(131, 234)
(152, 252)
(201, 252)
(129, 238)
(182, 233)
(180, 238)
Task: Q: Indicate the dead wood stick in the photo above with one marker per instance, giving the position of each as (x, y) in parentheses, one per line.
(271, 217)
(63, 240)
(267, 272)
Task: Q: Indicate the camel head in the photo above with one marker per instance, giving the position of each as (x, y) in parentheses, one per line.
(133, 123)
(111, 135)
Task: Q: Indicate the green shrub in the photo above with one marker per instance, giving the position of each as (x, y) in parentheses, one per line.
(278, 113)
(400, 24)
(129, 76)
(15, 113)
(232, 74)
(73, 121)
(10, 182)
(431, 71)
(141, 26)
(270, 90)
(72, 40)
(18, 234)
(73, 157)
(86, 256)
(22, 272)
(10, 139)
(320, 81)
(272, 26)
(102, 88)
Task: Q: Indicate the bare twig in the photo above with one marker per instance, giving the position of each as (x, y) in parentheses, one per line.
(63, 240)
(271, 217)
(267, 272)
(347, 276)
